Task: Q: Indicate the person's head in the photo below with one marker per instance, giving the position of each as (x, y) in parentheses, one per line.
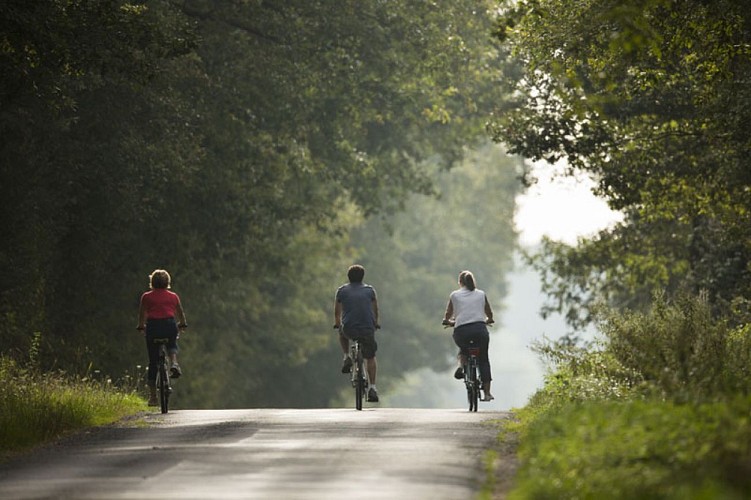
(159, 279)
(467, 280)
(356, 273)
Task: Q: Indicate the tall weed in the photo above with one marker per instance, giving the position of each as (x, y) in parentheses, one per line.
(36, 407)
(680, 351)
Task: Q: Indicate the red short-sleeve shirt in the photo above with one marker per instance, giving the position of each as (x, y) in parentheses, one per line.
(160, 303)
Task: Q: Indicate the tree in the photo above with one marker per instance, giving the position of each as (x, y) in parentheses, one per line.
(650, 99)
(235, 144)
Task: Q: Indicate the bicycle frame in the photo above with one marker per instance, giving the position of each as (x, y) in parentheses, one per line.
(162, 378)
(359, 375)
(471, 379)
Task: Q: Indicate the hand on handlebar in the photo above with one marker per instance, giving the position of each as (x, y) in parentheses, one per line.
(489, 321)
(448, 322)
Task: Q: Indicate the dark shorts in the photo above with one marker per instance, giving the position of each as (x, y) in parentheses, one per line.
(159, 329)
(162, 329)
(367, 341)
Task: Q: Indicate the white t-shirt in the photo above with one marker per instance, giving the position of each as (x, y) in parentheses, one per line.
(469, 306)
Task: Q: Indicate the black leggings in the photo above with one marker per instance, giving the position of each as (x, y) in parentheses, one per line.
(478, 333)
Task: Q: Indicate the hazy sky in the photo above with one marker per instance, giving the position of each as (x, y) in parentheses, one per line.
(562, 208)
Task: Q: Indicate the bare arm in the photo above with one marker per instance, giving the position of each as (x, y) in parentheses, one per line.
(141, 315)
(337, 314)
(449, 311)
(181, 313)
(488, 311)
(374, 304)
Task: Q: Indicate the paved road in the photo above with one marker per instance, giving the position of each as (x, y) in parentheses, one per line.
(379, 453)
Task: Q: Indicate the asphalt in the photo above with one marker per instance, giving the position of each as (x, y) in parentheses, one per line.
(377, 453)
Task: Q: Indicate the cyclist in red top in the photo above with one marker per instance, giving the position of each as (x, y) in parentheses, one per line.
(156, 314)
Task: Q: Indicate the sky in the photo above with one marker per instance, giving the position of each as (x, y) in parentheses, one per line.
(561, 208)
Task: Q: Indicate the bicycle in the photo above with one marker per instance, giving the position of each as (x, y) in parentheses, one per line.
(162, 377)
(471, 379)
(471, 368)
(359, 376)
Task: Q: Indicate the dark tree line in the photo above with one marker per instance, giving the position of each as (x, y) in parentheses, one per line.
(236, 144)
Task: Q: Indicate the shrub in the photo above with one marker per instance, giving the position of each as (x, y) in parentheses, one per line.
(680, 350)
(637, 449)
(36, 407)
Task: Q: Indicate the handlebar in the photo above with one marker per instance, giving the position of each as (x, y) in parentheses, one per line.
(450, 322)
(338, 327)
(181, 326)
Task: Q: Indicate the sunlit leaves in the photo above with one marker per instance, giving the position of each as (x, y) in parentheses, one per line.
(652, 99)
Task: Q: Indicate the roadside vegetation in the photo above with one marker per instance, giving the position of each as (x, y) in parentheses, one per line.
(651, 100)
(37, 407)
(658, 408)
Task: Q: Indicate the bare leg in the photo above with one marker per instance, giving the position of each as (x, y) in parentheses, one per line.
(462, 359)
(486, 390)
(372, 367)
(344, 342)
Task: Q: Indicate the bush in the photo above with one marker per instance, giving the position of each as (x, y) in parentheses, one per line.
(680, 350)
(637, 449)
(659, 408)
(36, 407)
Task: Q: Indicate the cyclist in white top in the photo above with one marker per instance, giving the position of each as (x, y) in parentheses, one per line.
(470, 311)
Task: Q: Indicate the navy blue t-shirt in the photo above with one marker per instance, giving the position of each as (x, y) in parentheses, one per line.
(357, 306)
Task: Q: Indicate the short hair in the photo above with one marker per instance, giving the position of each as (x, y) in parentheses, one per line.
(356, 273)
(159, 279)
(467, 279)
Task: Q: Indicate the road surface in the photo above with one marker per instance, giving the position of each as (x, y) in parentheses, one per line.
(378, 453)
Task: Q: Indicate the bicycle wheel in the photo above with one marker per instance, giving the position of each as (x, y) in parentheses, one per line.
(163, 386)
(473, 390)
(359, 380)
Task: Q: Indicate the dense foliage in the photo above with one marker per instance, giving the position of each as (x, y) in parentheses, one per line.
(651, 99)
(238, 145)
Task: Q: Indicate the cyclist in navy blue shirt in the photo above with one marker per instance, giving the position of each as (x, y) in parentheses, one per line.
(356, 318)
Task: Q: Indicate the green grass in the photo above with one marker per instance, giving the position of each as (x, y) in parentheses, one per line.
(637, 449)
(36, 408)
(661, 409)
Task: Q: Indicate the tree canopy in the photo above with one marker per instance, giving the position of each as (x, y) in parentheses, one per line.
(652, 100)
(238, 145)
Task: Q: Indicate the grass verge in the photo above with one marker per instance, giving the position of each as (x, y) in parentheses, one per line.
(36, 408)
(637, 449)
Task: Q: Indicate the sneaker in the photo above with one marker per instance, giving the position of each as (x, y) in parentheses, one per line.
(372, 396)
(488, 397)
(153, 400)
(347, 365)
(175, 371)
(459, 373)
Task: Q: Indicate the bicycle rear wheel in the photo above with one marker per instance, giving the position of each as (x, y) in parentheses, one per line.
(473, 386)
(163, 387)
(359, 381)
